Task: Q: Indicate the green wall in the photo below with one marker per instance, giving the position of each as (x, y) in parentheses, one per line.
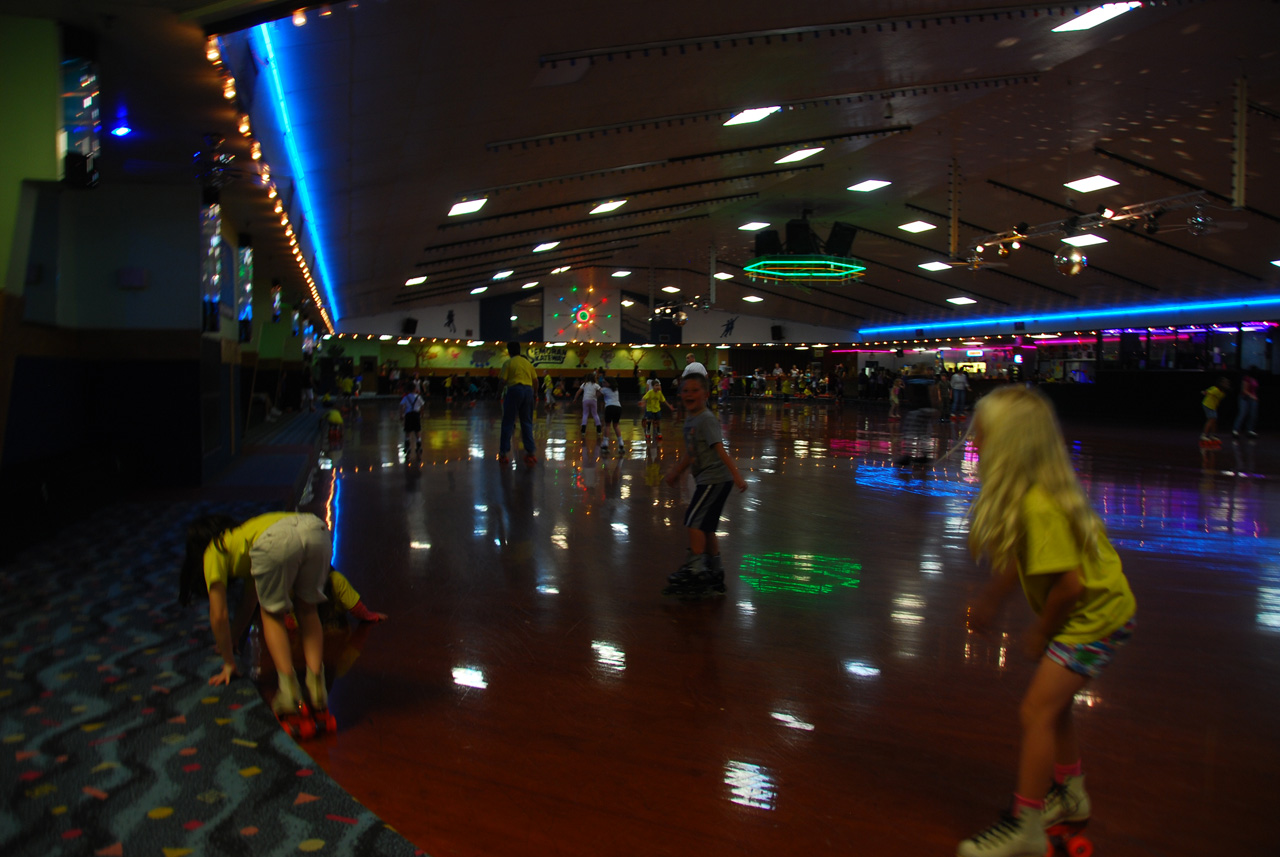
(30, 115)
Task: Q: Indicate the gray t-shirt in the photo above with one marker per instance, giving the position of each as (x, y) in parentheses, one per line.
(701, 435)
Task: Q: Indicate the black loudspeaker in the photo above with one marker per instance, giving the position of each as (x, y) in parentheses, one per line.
(409, 326)
(775, 333)
(800, 238)
(841, 238)
(768, 243)
(80, 170)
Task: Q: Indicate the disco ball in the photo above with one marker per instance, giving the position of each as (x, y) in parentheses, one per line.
(680, 318)
(1199, 223)
(1070, 261)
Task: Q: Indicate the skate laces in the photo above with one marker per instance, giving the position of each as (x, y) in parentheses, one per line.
(1006, 828)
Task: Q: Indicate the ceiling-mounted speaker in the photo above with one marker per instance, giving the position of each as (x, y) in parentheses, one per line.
(409, 326)
(840, 241)
(768, 243)
(800, 238)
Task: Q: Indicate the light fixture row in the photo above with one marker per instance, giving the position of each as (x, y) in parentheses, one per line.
(213, 53)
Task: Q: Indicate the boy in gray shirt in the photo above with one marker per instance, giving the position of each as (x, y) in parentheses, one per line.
(713, 472)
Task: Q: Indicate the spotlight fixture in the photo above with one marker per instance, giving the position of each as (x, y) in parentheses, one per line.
(1152, 224)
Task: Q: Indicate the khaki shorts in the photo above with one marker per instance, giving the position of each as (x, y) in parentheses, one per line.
(291, 559)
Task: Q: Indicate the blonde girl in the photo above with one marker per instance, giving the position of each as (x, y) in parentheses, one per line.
(1033, 524)
(895, 394)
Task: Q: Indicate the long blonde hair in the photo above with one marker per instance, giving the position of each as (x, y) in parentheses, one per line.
(1020, 445)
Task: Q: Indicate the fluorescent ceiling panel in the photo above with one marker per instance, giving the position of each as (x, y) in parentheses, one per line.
(721, 275)
(1094, 17)
(799, 155)
(549, 245)
(502, 275)
(478, 289)
(671, 290)
(415, 281)
(869, 185)
(755, 114)
(1090, 184)
(917, 226)
(467, 206)
(753, 226)
(1086, 240)
(752, 299)
(934, 266)
(961, 301)
(608, 206)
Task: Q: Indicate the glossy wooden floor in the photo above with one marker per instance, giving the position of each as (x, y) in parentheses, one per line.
(533, 693)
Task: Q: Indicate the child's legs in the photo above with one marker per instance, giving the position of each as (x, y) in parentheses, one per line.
(276, 636)
(697, 540)
(312, 633)
(712, 546)
(1048, 729)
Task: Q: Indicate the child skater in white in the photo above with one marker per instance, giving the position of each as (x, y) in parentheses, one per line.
(1032, 522)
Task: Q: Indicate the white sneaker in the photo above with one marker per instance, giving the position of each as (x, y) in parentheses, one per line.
(1067, 801)
(1012, 836)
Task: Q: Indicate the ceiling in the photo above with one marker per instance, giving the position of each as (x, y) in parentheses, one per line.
(978, 116)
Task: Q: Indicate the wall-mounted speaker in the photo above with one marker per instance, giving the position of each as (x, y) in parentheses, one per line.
(775, 333)
(409, 326)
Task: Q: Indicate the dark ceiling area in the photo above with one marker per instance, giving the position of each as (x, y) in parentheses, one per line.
(977, 118)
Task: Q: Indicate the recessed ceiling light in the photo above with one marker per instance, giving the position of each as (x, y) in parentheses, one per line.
(515, 318)
(529, 285)
(799, 155)
(1086, 240)
(467, 206)
(752, 226)
(384, 337)
(752, 299)
(502, 275)
(755, 114)
(475, 343)
(549, 245)
(917, 226)
(478, 289)
(608, 206)
(671, 290)
(1276, 262)
(1090, 184)
(628, 302)
(415, 281)
(721, 275)
(1094, 17)
(869, 185)
(935, 266)
(404, 341)
(961, 301)
(560, 270)
(621, 274)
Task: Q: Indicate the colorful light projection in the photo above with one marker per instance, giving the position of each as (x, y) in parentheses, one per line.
(583, 320)
(804, 573)
(211, 266)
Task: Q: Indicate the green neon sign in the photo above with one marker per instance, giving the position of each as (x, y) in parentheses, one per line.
(805, 267)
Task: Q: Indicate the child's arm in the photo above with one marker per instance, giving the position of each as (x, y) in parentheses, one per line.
(220, 623)
(738, 481)
(681, 466)
(1058, 604)
(983, 609)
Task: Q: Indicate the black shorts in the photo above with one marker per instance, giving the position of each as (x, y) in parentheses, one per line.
(653, 416)
(412, 422)
(706, 506)
(613, 414)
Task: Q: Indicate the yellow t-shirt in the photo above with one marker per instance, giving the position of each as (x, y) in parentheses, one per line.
(1050, 548)
(222, 565)
(653, 401)
(344, 594)
(335, 417)
(518, 370)
(1212, 397)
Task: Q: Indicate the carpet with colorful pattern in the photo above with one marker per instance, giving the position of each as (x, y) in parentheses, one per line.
(112, 740)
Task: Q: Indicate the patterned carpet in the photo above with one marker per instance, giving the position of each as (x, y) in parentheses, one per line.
(112, 741)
